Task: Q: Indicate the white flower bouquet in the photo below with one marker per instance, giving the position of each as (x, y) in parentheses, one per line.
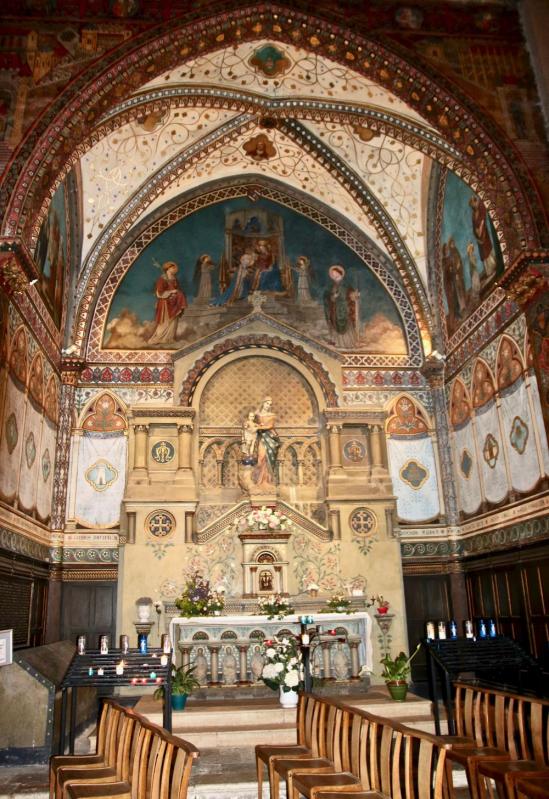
(283, 666)
(274, 606)
(264, 518)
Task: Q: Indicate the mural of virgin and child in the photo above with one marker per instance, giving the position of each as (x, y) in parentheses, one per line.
(257, 271)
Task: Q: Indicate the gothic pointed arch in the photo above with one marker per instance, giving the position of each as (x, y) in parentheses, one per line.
(43, 158)
(460, 404)
(509, 363)
(483, 388)
(104, 414)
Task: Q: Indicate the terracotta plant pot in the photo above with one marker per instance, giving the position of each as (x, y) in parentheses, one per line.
(398, 690)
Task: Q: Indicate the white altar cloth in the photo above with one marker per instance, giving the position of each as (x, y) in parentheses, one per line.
(354, 623)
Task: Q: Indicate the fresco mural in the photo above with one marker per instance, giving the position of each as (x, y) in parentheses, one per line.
(470, 254)
(52, 252)
(199, 275)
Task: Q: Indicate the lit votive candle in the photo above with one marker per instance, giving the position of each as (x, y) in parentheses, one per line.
(90, 672)
(134, 680)
(152, 675)
(120, 668)
(143, 680)
(305, 639)
(164, 660)
(100, 671)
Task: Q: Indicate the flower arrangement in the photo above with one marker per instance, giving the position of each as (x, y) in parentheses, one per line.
(338, 603)
(382, 604)
(274, 606)
(264, 518)
(198, 599)
(283, 667)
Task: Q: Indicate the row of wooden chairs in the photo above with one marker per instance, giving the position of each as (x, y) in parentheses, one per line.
(134, 760)
(346, 752)
(501, 738)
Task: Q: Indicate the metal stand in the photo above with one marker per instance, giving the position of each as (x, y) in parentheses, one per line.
(137, 670)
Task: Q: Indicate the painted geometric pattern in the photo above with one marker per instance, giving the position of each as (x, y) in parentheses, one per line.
(490, 450)
(290, 467)
(230, 466)
(160, 524)
(466, 463)
(101, 475)
(363, 524)
(243, 384)
(30, 449)
(519, 435)
(12, 434)
(311, 474)
(209, 469)
(414, 474)
(46, 465)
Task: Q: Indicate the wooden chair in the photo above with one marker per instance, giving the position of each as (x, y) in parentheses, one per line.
(308, 709)
(111, 771)
(161, 770)
(486, 730)
(533, 760)
(330, 744)
(533, 788)
(105, 747)
(412, 766)
(364, 749)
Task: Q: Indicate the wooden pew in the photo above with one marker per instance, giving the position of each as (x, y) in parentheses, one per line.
(532, 748)
(149, 763)
(497, 730)
(412, 764)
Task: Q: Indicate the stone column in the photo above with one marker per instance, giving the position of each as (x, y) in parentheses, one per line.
(184, 435)
(326, 660)
(185, 476)
(70, 369)
(185, 648)
(243, 647)
(335, 447)
(214, 647)
(376, 437)
(433, 371)
(141, 436)
(354, 643)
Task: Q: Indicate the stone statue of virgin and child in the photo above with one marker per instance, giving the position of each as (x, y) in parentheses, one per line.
(260, 445)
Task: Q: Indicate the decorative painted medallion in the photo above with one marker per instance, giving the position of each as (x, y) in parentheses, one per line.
(270, 60)
(466, 463)
(163, 452)
(354, 450)
(30, 449)
(160, 524)
(12, 434)
(101, 475)
(46, 465)
(363, 523)
(259, 148)
(414, 474)
(519, 435)
(490, 450)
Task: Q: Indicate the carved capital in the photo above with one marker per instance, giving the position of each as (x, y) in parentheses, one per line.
(527, 278)
(17, 271)
(70, 370)
(433, 370)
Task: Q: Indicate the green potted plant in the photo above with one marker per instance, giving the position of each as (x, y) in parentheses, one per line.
(183, 684)
(396, 672)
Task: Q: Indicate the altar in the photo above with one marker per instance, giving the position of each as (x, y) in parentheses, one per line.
(227, 649)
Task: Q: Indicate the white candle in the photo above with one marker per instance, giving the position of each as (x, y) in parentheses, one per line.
(163, 660)
(120, 668)
(100, 671)
(305, 639)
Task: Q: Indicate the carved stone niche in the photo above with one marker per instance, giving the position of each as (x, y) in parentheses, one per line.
(264, 563)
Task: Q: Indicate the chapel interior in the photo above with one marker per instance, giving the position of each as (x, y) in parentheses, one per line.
(290, 256)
